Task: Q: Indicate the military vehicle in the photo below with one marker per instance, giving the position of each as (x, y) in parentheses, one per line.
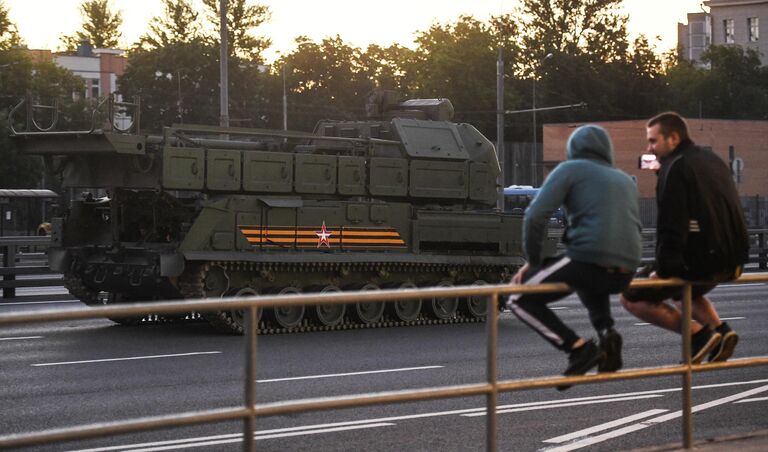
(403, 198)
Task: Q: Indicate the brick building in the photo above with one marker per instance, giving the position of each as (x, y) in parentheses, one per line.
(749, 140)
(742, 144)
(99, 68)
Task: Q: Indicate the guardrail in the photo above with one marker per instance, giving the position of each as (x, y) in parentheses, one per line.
(758, 251)
(32, 263)
(250, 410)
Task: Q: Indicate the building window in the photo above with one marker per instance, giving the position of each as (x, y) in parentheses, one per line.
(754, 29)
(728, 31)
(94, 88)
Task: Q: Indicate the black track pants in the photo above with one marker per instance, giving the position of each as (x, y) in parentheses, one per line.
(593, 284)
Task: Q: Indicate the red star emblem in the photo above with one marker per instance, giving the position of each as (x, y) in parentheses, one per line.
(322, 236)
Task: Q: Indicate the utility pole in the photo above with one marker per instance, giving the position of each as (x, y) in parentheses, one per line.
(285, 103)
(223, 68)
(500, 127)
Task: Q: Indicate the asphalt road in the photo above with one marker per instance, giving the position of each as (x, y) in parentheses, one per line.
(69, 373)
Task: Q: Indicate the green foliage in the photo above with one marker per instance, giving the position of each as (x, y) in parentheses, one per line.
(45, 82)
(241, 19)
(735, 86)
(9, 36)
(178, 25)
(100, 26)
(593, 28)
(179, 83)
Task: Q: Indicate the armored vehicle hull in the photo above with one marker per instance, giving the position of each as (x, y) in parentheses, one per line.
(405, 198)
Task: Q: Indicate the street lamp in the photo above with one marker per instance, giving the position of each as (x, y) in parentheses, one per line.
(169, 76)
(535, 144)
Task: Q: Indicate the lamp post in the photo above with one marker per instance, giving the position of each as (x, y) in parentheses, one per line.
(535, 144)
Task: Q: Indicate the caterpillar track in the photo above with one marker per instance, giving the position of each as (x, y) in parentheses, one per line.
(211, 279)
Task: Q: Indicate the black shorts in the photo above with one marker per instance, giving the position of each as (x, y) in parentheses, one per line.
(659, 294)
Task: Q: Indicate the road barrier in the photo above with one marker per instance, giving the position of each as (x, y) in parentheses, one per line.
(32, 262)
(250, 410)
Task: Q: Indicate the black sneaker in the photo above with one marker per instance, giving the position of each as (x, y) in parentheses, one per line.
(724, 349)
(610, 345)
(581, 360)
(702, 343)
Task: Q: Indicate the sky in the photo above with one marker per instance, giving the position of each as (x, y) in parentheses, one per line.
(358, 22)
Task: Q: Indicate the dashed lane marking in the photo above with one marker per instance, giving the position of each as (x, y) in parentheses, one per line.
(756, 399)
(19, 338)
(128, 358)
(721, 318)
(348, 374)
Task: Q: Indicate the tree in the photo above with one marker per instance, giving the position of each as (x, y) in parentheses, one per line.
(179, 82)
(178, 25)
(9, 36)
(241, 19)
(45, 82)
(572, 27)
(735, 85)
(458, 61)
(100, 26)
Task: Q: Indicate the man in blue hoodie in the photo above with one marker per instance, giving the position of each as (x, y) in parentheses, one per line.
(603, 247)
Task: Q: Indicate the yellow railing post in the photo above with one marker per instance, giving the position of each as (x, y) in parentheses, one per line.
(492, 327)
(688, 375)
(252, 326)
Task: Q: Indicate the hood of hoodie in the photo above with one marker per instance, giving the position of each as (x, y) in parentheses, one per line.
(590, 142)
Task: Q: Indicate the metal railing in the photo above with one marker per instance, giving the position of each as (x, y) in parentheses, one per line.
(33, 263)
(250, 411)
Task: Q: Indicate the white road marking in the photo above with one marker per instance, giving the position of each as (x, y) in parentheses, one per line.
(721, 318)
(348, 374)
(603, 427)
(19, 338)
(559, 308)
(562, 405)
(129, 358)
(237, 436)
(231, 438)
(19, 303)
(741, 285)
(653, 421)
(756, 399)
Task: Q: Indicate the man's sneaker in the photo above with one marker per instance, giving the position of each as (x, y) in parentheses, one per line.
(581, 360)
(610, 345)
(724, 349)
(702, 343)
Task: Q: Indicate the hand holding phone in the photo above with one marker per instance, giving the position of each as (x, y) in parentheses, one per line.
(648, 162)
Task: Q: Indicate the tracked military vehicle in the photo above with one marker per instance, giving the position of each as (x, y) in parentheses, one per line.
(403, 198)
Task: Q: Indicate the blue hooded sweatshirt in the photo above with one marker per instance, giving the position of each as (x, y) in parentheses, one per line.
(601, 203)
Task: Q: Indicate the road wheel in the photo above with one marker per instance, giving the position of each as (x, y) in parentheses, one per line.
(369, 312)
(443, 308)
(405, 310)
(288, 316)
(329, 314)
(477, 306)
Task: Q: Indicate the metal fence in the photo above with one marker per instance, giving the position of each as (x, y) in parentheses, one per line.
(250, 410)
(755, 211)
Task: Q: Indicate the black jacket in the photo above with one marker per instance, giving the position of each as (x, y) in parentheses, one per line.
(701, 232)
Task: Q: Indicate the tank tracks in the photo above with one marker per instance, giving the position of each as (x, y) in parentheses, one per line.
(193, 284)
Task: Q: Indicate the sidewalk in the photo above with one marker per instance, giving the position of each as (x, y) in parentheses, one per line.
(746, 442)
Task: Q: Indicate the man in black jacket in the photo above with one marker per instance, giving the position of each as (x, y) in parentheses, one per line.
(700, 236)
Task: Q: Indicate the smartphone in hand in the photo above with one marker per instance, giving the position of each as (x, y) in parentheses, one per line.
(648, 162)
